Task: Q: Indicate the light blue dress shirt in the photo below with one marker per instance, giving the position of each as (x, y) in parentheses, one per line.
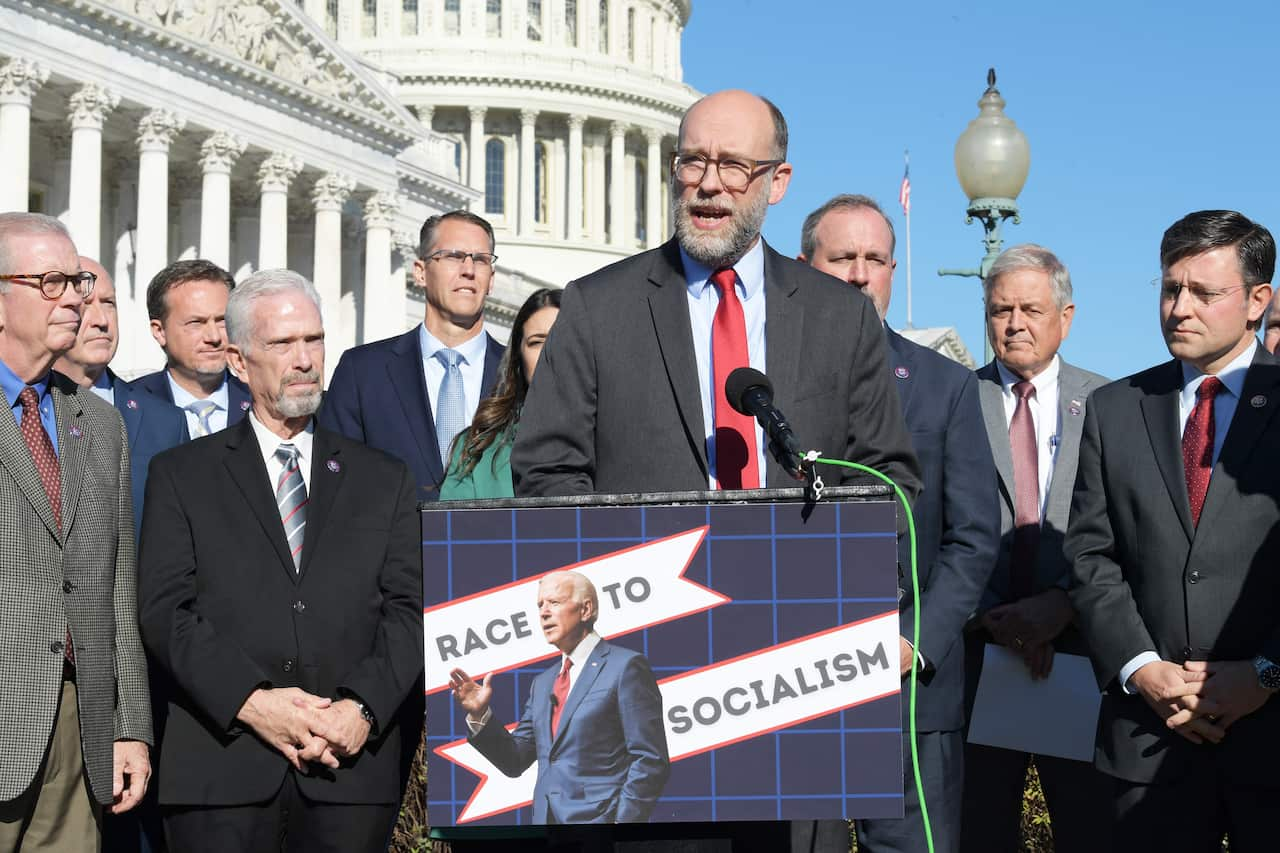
(183, 398)
(472, 367)
(13, 386)
(703, 301)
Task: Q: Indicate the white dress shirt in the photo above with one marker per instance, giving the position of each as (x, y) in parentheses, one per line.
(579, 656)
(182, 398)
(1046, 417)
(472, 366)
(269, 442)
(704, 299)
(1224, 409)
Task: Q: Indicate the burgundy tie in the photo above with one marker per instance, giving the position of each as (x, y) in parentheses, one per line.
(46, 462)
(1197, 445)
(560, 692)
(1026, 487)
(736, 465)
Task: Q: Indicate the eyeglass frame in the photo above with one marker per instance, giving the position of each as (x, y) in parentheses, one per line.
(67, 278)
(1198, 294)
(461, 256)
(754, 173)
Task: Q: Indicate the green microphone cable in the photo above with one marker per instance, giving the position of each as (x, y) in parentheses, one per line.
(814, 456)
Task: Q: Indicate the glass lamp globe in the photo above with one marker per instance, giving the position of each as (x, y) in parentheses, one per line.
(992, 155)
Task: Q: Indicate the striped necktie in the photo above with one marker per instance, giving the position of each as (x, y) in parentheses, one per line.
(291, 500)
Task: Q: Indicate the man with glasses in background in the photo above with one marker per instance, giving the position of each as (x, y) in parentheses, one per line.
(75, 716)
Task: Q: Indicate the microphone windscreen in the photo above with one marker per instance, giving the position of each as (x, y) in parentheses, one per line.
(740, 381)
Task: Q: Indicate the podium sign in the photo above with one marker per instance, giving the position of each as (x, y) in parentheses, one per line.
(771, 629)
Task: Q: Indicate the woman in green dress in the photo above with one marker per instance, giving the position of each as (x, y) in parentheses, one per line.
(480, 464)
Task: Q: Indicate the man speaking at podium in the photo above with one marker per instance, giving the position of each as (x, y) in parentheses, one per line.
(600, 760)
(629, 395)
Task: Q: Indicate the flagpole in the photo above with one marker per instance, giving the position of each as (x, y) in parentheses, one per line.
(906, 155)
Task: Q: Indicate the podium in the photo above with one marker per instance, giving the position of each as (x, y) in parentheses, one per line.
(769, 622)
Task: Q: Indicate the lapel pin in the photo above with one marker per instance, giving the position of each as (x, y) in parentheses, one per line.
(901, 372)
(1258, 402)
(333, 465)
(244, 406)
(132, 404)
(75, 430)
(1074, 408)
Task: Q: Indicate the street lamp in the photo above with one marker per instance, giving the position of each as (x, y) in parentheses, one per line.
(992, 159)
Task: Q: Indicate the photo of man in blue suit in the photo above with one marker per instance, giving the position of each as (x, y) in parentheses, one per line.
(593, 721)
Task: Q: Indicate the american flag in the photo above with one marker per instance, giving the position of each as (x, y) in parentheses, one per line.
(904, 193)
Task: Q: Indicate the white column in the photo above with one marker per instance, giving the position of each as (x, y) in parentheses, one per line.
(475, 151)
(617, 184)
(599, 190)
(156, 132)
(404, 248)
(89, 107)
(574, 162)
(383, 303)
(19, 80)
(528, 119)
(328, 196)
(274, 176)
(218, 154)
(653, 189)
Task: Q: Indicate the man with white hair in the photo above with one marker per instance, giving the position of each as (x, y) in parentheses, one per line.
(292, 641)
(604, 761)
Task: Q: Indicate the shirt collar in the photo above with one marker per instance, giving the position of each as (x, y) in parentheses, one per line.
(183, 398)
(585, 647)
(13, 386)
(1231, 376)
(750, 270)
(269, 441)
(1047, 378)
(472, 350)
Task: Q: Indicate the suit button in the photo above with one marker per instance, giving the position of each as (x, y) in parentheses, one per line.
(67, 586)
(298, 607)
(56, 647)
(1186, 653)
(1194, 577)
(287, 666)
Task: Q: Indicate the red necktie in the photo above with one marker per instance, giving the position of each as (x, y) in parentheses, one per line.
(736, 465)
(47, 467)
(560, 692)
(1026, 487)
(1197, 445)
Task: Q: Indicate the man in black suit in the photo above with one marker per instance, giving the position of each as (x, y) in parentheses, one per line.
(957, 525)
(1175, 525)
(187, 304)
(400, 394)
(282, 593)
(627, 397)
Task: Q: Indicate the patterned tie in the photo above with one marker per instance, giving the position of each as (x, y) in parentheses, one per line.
(291, 499)
(1026, 486)
(560, 692)
(451, 417)
(47, 467)
(736, 463)
(1197, 445)
(203, 410)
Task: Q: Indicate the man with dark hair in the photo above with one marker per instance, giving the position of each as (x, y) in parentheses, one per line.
(957, 523)
(412, 394)
(1173, 541)
(186, 302)
(630, 392)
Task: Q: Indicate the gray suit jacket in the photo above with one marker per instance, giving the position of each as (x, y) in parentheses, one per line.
(1052, 568)
(615, 406)
(82, 577)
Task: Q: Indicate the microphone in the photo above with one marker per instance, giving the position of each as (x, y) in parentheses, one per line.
(751, 393)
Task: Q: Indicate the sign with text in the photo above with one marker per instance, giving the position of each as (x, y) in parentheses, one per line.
(745, 667)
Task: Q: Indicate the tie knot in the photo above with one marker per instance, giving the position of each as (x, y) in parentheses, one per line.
(724, 281)
(1209, 388)
(28, 398)
(568, 665)
(1024, 389)
(201, 408)
(448, 357)
(287, 454)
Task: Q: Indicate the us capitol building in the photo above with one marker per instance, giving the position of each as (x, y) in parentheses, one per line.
(318, 135)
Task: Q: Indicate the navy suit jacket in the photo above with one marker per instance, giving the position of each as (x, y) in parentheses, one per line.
(238, 399)
(378, 396)
(152, 426)
(608, 761)
(957, 521)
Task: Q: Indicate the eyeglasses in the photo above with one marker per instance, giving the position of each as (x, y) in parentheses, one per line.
(455, 257)
(1171, 290)
(735, 173)
(53, 284)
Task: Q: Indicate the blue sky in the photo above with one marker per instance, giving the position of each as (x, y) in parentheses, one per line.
(1136, 113)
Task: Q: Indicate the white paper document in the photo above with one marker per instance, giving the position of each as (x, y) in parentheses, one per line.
(1056, 716)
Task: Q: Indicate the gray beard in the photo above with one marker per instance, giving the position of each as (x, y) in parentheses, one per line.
(298, 407)
(720, 250)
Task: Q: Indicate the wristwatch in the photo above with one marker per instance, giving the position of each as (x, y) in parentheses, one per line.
(1268, 673)
(367, 714)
